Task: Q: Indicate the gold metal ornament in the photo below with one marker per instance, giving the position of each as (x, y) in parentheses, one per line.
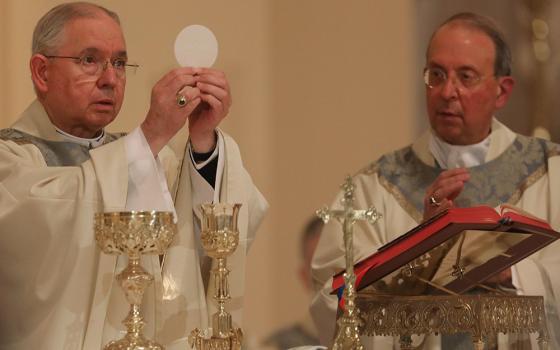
(181, 100)
(483, 316)
(348, 335)
(433, 201)
(220, 237)
(134, 234)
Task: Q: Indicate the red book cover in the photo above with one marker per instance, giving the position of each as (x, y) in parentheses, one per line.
(462, 246)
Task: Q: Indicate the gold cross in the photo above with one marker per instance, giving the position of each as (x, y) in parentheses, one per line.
(348, 333)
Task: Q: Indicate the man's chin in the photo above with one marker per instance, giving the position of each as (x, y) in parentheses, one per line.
(101, 120)
(451, 135)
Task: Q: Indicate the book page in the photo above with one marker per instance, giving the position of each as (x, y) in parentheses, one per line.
(473, 249)
(504, 209)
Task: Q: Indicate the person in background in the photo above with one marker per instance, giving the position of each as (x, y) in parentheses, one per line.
(303, 332)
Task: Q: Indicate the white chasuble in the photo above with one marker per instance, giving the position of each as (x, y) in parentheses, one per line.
(518, 170)
(56, 287)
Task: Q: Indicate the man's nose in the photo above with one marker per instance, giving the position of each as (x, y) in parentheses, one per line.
(108, 75)
(450, 88)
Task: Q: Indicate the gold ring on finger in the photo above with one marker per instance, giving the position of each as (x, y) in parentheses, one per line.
(181, 100)
(433, 202)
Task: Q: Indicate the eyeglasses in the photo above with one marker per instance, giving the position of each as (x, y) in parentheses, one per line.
(92, 65)
(465, 78)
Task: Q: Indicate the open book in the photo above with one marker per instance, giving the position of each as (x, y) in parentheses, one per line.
(452, 252)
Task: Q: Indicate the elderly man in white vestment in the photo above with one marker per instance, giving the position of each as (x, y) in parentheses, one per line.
(466, 158)
(58, 166)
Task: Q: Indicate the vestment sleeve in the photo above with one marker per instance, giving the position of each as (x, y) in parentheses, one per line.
(102, 179)
(147, 185)
(48, 255)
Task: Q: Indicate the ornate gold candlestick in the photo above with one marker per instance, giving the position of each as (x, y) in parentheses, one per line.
(220, 238)
(133, 234)
(348, 335)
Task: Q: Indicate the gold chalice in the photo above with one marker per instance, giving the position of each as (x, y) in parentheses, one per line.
(220, 237)
(134, 233)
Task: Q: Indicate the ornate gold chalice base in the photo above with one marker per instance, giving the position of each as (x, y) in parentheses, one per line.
(133, 234)
(220, 238)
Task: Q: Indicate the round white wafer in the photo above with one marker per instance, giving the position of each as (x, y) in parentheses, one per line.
(196, 46)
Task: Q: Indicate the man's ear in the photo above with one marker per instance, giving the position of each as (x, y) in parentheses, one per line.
(39, 72)
(504, 89)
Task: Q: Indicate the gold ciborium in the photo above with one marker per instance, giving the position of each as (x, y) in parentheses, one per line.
(220, 238)
(134, 234)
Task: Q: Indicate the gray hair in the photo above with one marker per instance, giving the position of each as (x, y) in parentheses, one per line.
(503, 60)
(47, 33)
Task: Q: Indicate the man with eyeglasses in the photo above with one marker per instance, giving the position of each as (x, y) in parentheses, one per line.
(58, 166)
(467, 158)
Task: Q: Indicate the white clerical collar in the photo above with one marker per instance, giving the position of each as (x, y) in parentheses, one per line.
(91, 143)
(454, 156)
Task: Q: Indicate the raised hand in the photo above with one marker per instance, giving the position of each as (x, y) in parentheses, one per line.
(441, 193)
(216, 101)
(167, 113)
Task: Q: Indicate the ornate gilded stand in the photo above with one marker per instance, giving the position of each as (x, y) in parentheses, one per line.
(220, 237)
(134, 234)
(348, 335)
(480, 315)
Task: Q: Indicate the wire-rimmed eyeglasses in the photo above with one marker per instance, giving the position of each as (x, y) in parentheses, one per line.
(464, 78)
(92, 65)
